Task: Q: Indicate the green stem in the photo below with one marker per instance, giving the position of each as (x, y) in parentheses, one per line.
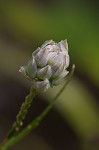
(37, 121)
(22, 113)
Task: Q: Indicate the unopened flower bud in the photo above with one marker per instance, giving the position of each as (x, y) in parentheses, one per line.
(44, 72)
(48, 65)
(31, 68)
(41, 85)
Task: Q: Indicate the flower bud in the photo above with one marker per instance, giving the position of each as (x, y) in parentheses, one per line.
(60, 78)
(41, 85)
(44, 73)
(48, 65)
(31, 68)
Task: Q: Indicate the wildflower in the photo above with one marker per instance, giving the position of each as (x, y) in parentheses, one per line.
(47, 67)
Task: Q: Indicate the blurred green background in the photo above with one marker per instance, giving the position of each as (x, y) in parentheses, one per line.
(73, 124)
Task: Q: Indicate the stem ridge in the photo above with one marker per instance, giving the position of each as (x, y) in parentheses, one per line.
(22, 113)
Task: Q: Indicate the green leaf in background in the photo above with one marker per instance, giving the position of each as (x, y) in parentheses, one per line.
(76, 22)
(78, 107)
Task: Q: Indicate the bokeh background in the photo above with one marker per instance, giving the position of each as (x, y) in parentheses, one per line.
(73, 124)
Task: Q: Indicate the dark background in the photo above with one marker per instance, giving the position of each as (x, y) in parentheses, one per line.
(73, 124)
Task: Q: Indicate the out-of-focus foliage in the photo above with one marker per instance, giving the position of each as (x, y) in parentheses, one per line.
(79, 108)
(25, 25)
(78, 22)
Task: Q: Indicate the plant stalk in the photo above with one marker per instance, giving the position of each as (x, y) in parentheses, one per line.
(12, 141)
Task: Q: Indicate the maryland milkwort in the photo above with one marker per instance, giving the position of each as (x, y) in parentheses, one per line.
(47, 67)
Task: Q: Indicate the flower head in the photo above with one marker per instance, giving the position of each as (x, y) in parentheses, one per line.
(48, 65)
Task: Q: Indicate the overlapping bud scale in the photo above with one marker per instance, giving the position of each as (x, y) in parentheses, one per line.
(47, 67)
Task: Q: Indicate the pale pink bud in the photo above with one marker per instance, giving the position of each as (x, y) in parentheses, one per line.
(48, 65)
